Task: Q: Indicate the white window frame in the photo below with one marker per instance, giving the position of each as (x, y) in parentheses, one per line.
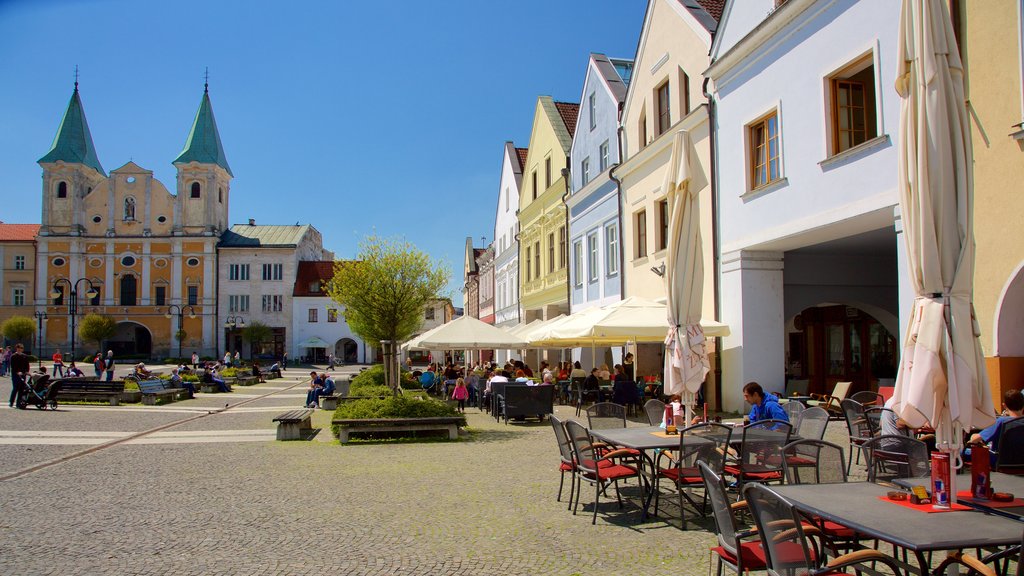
(593, 261)
(577, 263)
(313, 316)
(593, 110)
(603, 163)
(19, 262)
(611, 249)
(585, 171)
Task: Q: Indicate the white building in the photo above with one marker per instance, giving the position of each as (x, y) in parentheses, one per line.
(806, 119)
(507, 311)
(317, 316)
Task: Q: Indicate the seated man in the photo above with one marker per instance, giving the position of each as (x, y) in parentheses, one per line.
(1013, 407)
(74, 372)
(210, 376)
(176, 382)
(328, 384)
(763, 405)
(141, 372)
(257, 372)
(316, 387)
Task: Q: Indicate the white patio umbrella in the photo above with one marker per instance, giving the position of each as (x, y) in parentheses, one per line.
(942, 378)
(465, 333)
(686, 356)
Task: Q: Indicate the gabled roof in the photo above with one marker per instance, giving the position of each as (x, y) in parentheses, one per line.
(263, 236)
(713, 8)
(610, 75)
(568, 111)
(203, 144)
(73, 142)
(521, 156)
(18, 232)
(308, 273)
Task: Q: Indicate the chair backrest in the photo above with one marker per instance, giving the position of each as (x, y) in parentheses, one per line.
(576, 383)
(761, 448)
(604, 415)
(655, 410)
(811, 423)
(583, 449)
(797, 387)
(793, 409)
(868, 398)
(721, 508)
(856, 420)
(564, 447)
(1010, 445)
(841, 390)
(707, 442)
(787, 549)
(896, 456)
(810, 461)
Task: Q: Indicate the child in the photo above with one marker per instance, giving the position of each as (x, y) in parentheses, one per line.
(461, 393)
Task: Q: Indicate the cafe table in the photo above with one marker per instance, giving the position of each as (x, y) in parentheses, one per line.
(862, 507)
(1000, 482)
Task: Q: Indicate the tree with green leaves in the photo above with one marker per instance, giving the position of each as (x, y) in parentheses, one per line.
(19, 329)
(256, 332)
(385, 291)
(96, 328)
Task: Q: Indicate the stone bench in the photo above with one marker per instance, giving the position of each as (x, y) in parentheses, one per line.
(90, 390)
(248, 380)
(272, 374)
(449, 424)
(329, 401)
(157, 389)
(291, 424)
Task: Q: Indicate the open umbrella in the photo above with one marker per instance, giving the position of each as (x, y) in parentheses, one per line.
(942, 378)
(686, 356)
(466, 333)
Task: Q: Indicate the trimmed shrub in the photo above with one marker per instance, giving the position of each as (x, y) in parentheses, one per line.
(375, 376)
(392, 407)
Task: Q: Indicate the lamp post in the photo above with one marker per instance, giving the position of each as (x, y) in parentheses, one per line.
(174, 308)
(40, 316)
(73, 301)
(230, 323)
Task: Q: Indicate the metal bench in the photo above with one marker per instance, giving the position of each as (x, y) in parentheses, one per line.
(90, 389)
(449, 424)
(157, 389)
(291, 424)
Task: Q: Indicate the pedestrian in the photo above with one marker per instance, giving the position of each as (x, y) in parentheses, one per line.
(227, 358)
(195, 360)
(109, 365)
(97, 364)
(5, 360)
(19, 368)
(58, 364)
(284, 359)
(330, 361)
(316, 388)
(461, 393)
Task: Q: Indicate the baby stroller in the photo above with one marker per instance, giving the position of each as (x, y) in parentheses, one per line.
(39, 392)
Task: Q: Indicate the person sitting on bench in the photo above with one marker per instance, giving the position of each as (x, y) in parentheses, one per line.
(210, 377)
(316, 388)
(329, 387)
(257, 372)
(74, 372)
(177, 382)
(141, 372)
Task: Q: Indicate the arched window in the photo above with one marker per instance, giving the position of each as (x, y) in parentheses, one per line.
(195, 189)
(129, 208)
(128, 290)
(220, 195)
(62, 190)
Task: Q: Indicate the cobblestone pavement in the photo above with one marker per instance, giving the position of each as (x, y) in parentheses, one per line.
(483, 505)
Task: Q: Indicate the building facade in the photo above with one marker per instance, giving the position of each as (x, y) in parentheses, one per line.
(17, 272)
(317, 317)
(506, 241)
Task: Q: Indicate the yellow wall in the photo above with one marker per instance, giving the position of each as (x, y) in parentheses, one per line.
(17, 278)
(992, 51)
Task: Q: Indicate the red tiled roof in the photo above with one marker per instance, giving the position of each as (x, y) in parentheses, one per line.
(18, 232)
(310, 272)
(521, 153)
(713, 7)
(568, 111)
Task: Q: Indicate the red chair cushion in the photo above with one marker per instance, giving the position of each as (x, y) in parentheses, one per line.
(754, 557)
(688, 476)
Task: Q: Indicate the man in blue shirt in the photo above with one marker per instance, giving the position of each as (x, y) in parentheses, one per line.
(764, 405)
(1013, 407)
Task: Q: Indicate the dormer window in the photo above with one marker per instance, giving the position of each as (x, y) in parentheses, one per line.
(129, 209)
(195, 190)
(314, 287)
(62, 190)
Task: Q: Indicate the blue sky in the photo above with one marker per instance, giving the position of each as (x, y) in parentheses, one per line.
(358, 118)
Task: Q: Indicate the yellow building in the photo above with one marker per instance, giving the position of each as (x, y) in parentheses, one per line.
(127, 247)
(543, 223)
(992, 46)
(17, 272)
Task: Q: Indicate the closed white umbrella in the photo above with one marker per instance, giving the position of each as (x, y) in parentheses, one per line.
(686, 356)
(942, 378)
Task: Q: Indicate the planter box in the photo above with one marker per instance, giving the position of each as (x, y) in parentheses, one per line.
(131, 397)
(449, 424)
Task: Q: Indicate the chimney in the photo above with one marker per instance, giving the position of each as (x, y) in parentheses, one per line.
(252, 221)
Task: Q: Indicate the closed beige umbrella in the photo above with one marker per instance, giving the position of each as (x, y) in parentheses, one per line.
(942, 378)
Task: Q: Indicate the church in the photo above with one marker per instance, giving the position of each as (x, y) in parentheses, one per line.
(123, 245)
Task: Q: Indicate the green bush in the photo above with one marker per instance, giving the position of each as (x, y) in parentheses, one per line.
(229, 373)
(370, 389)
(375, 376)
(392, 407)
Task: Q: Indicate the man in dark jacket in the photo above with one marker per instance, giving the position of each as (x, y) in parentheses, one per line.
(20, 367)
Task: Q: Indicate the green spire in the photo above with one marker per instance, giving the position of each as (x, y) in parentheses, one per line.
(203, 144)
(73, 142)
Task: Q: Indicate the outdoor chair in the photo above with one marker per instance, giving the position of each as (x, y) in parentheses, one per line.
(706, 443)
(580, 396)
(858, 427)
(655, 410)
(1010, 458)
(793, 409)
(832, 402)
(813, 461)
(736, 548)
(568, 463)
(797, 387)
(595, 465)
(811, 424)
(760, 454)
(896, 456)
(605, 415)
(1000, 560)
(792, 546)
(868, 398)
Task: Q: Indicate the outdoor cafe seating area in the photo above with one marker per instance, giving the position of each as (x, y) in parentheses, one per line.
(782, 497)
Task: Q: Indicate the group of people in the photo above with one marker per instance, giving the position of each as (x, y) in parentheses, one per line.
(320, 384)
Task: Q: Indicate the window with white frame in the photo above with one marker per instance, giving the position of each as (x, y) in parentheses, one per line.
(611, 249)
(273, 271)
(604, 156)
(577, 263)
(585, 171)
(854, 118)
(19, 262)
(18, 296)
(592, 257)
(273, 303)
(238, 303)
(238, 272)
(765, 153)
(593, 110)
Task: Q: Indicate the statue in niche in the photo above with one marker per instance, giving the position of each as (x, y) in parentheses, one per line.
(129, 209)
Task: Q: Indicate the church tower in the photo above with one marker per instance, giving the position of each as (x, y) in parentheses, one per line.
(71, 171)
(204, 177)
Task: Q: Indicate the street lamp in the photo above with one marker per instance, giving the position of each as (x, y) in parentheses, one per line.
(181, 318)
(73, 301)
(40, 316)
(232, 322)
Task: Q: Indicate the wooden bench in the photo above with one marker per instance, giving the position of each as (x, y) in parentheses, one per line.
(329, 401)
(450, 424)
(90, 390)
(291, 424)
(157, 389)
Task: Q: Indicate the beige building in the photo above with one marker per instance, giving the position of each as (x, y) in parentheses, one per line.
(991, 39)
(17, 272)
(665, 97)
